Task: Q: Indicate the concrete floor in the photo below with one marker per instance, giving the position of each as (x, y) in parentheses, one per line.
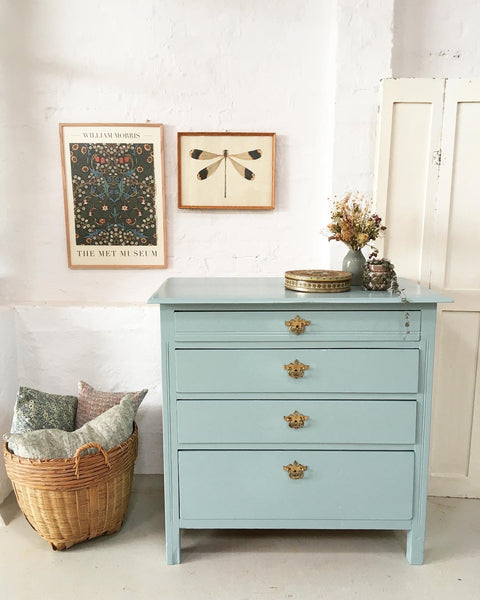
(243, 565)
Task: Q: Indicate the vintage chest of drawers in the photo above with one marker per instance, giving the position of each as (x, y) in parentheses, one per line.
(294, 410)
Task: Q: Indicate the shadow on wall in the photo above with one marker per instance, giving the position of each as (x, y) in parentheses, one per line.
(8, 389)
(113, 348)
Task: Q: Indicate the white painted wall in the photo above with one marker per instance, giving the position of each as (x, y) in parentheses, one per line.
(436, 38)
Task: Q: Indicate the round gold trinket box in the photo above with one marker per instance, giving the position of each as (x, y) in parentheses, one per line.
(318, 281)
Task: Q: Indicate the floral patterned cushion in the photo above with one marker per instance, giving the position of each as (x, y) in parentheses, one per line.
(38, 410)
(92, 402)
(109, 429)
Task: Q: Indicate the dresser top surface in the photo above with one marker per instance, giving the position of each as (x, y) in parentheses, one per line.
(268, 290)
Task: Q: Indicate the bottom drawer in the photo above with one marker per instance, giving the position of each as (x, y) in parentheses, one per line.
(244, 484)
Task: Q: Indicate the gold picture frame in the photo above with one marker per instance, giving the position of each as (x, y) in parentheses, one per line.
(226, 170)
(114, 193)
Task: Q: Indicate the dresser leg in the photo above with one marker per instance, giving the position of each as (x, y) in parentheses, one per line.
(172, 538)
(415, 545)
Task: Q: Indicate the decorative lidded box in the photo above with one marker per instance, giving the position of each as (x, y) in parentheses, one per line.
(318, 281)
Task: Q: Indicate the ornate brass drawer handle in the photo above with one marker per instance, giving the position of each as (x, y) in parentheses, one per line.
(296, 421)
(295, 470)
(297, 325)
(296, 369)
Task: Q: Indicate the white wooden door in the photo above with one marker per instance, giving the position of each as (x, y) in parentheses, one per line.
(455, 462)
(428, 189)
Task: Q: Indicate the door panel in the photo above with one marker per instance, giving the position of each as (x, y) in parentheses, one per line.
(454, 403)
(409, 135)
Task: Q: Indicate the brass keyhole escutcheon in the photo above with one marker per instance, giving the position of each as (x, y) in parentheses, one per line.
(297, 325)
(295, 470)
(296, 420)
(296, 369)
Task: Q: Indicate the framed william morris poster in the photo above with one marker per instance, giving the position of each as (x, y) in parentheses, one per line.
(226, 170)
(113, 179)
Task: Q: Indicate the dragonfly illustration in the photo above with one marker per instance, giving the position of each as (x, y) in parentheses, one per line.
(210, 169)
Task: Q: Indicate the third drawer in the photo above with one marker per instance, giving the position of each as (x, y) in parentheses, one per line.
(328, 422)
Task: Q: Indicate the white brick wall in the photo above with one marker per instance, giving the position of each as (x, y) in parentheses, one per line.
(363, 53)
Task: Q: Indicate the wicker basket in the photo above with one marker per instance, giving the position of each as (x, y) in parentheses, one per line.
(70, 500)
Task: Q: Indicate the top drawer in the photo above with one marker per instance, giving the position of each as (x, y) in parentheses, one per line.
(318, 325)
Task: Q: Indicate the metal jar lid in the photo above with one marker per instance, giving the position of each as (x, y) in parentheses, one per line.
(378, 268)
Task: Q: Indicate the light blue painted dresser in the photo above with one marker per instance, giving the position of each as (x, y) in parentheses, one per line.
(295, 410)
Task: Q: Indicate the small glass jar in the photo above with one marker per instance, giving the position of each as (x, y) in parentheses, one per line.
(377, 277)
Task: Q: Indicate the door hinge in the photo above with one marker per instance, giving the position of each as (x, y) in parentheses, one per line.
(437, 157)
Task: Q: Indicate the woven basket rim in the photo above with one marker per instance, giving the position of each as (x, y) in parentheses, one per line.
(42, 461)
(61, 473)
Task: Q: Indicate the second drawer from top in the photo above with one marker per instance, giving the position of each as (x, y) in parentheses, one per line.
(297, 370)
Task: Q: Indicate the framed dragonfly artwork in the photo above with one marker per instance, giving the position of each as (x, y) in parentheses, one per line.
(226, 170)
(113, 181)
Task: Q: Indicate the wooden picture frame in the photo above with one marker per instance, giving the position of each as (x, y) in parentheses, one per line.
(226, 170)
(114, 192)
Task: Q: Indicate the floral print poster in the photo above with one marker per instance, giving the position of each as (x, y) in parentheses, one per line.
(114, 195)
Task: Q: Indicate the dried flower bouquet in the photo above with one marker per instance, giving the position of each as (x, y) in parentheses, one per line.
(353, 221)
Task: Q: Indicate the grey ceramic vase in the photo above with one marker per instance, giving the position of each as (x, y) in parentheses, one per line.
(353, 263)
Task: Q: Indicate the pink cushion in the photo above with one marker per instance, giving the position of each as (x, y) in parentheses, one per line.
(92, 402)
